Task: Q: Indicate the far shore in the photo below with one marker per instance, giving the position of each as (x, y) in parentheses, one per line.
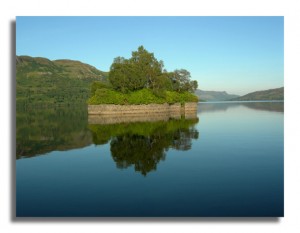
(239, 101)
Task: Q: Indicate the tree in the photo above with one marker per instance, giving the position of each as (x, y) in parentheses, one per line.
(181, 81)
(143, 70)
(147, 66)
(124, 76)
(162, 84)
(193, 86)
(98, 85)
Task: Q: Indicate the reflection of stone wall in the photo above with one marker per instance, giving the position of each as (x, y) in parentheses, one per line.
(190, 107)
(114, 119)
(110, 113)
(190, 110)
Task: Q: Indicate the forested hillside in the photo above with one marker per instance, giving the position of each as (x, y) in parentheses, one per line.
(272, 94)
(42, 82)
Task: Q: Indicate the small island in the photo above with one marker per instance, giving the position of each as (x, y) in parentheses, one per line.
(140, 85)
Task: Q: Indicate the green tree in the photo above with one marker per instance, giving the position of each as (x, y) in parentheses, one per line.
(124, 76)
(181, 81)
(147, 66)
(143, 70)
(162, 84)
(140, 71)
(98, 85)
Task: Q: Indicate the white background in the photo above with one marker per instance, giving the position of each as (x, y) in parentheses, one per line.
(9, 9)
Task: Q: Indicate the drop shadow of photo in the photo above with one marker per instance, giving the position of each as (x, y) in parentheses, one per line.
(56, 220)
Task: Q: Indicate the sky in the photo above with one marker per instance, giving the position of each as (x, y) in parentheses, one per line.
(234, 54)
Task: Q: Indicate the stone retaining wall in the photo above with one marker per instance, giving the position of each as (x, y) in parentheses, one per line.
(114, 119)
(143, 109)
(111, 114)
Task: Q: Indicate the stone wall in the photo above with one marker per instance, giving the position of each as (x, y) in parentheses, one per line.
(110, 113)
(144, 109)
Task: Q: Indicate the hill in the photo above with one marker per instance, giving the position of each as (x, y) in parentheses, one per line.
(214, 95)
(40, 81)
(271, 94)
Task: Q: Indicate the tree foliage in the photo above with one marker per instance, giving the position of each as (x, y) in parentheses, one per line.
(124, 76)
(143, 96)
(142, 79)
(41, 82)
(143, 70)
(181, 81)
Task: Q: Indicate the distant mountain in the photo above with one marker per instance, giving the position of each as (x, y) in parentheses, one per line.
(41, 81)
(272, 94)
(214, 95)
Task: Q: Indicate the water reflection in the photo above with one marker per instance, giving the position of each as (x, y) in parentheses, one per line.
(144, 144)
(224, 106)
(210, 176)
(43, 130)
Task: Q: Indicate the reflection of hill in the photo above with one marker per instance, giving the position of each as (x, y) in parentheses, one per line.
(215, 107)
(43, 130)
(223, 106)
(267, 106)
(143, 144)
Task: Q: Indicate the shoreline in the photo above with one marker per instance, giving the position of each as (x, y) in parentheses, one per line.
(241, 101)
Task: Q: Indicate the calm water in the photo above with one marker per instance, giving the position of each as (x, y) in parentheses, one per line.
(226, 162)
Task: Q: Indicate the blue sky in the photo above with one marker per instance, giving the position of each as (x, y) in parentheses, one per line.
(234, 54)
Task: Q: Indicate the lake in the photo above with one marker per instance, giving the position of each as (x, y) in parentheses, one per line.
(228, 161)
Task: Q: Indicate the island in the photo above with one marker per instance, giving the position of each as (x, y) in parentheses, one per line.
(141, 85)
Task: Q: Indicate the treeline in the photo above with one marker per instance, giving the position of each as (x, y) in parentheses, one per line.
(41, 82)
(48, 91)
(143, 79)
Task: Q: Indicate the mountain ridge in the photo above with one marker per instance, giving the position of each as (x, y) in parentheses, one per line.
(41, 81)
(270, 94)
(214, 95)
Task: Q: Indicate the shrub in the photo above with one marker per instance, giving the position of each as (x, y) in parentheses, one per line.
(143, 96)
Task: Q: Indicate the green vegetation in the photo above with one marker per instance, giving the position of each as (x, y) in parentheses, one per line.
(272, 94)
(143, 96)
(143, 144)
(138, 80)
(41, 82)
(142, 79)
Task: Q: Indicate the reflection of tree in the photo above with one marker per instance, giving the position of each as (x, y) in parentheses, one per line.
(143, 145)
(182, 138)
(268, 106)
(42, 130)
(142, 152)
